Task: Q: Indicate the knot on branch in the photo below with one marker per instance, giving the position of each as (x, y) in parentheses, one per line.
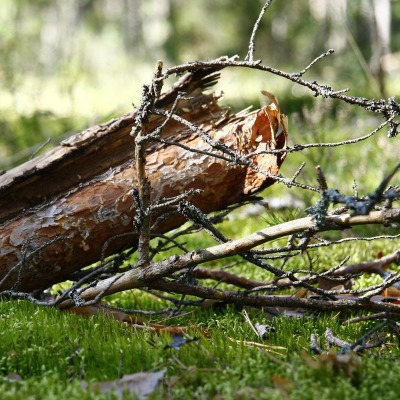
(391, 216)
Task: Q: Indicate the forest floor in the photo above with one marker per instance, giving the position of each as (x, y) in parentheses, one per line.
(47, 354)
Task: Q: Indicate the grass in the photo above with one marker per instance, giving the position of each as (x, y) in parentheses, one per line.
(53, 351)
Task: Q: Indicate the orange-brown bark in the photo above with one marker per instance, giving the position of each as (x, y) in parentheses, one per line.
(82, 190)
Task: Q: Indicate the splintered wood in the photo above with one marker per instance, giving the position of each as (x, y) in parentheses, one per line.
(70, 207)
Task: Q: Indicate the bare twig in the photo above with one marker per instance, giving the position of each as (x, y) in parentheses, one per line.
(363, 318)
(374, 266)
(301, 147)
(149, 96)
(388, 109)
(250, 52)
(315, 349)
(333, 340)
(360, 345)
(43, 145)
(312, 63)
(140, 277)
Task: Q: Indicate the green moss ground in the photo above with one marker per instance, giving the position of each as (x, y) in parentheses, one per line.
(53, 351)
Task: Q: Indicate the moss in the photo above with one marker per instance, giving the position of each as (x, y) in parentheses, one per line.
(53, 351)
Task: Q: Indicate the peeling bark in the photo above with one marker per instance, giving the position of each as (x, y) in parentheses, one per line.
(65, 209)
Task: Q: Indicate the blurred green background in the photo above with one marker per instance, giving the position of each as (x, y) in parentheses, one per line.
(66, 65)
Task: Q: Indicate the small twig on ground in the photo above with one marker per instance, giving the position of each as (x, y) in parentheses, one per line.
(333, 340)
(374, 266)
(363, 318)
(314, 347)
(360, 345)
(138, 311)
(248, 320)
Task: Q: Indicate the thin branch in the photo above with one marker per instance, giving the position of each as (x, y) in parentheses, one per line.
(149, 96)
(333, 340)
(139, 277)
(388, 109)
(324, 243)
(241, 298)
(42, 146)
(250, 53)
(301, 147)
(360, 343)
(371, 317)
(312, 63)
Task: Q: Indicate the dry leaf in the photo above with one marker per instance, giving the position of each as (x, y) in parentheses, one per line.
(349, 363)
(12, 377)
(140, 384)
(283, 385)
(269, 131)
(129, 319)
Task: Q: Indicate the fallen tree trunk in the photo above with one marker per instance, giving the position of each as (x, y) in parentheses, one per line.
(75, 204)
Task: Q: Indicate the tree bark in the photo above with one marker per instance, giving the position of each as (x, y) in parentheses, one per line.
(74, 205)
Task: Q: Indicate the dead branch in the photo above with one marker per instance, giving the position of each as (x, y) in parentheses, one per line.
(389, 109)
(142, 277)
(373, 266)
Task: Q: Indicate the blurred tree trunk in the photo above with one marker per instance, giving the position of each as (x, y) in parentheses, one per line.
(380, 32)
(334, 15)
(132, 24)
(75, 204)
(376, 14)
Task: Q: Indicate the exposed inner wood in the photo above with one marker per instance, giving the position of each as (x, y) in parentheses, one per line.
(62, 210)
